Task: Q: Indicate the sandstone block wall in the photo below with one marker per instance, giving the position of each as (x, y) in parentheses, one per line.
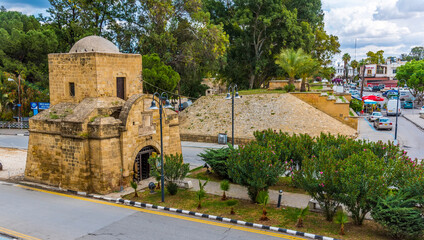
(333, 107)
(280, 84)
(93, 74)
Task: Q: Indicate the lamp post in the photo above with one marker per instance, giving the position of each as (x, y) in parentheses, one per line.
(19, 97)
(397, 108)
(162, 97)
(235, 94)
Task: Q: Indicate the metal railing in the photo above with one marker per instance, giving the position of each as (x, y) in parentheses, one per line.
(19, 125)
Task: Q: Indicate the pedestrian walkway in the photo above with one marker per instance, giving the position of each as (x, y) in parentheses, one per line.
(415, 119)
(13, 131)
(203, 145)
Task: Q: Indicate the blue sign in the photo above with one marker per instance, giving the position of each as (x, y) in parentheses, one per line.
(34, 105)
(18, 105)
(43, 105)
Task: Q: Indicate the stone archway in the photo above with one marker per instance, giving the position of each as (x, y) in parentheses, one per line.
(141, 165)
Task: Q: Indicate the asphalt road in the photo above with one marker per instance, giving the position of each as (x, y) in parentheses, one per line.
(51, 216)
(410, 137)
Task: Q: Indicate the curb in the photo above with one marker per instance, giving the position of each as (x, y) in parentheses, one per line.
(218, 218)
(419, 126)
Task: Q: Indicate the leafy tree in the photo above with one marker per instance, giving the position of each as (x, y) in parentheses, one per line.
(375, 57)
(413, 73)
(356, 105)
(354, 64)
(416, 53)
(255, 167)
(309, 67)
(157, 74)
(307, 10)
(257, 30)
(325, 47)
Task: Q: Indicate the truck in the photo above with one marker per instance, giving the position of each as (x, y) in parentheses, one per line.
(391, 107)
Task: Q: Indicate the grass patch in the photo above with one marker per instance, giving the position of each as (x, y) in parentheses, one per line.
(247, 211)
(285, 184)
(316, 87)
(196, 169)
(200, 173)
(259, 91)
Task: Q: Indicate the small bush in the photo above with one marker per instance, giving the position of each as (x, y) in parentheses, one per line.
(399, 215)
(225, 186)
(217, 160)
(289, 88)
(356, 105)
(172, 188)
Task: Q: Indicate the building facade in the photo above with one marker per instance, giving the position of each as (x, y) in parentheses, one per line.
(100, 132)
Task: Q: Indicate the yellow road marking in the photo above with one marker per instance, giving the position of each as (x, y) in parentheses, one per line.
(16, 234)
(245, 229)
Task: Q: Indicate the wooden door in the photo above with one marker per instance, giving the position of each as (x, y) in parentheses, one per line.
(120, 87)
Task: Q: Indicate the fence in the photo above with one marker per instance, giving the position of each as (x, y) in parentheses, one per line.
(9, 125)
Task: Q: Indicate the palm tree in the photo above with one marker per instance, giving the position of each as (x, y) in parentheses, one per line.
(354, 64)
(341, 218)
(301, 214)
(346, 59)
(308, 68)
(291, 62)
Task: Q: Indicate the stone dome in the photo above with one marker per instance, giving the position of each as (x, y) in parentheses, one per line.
(94, 44)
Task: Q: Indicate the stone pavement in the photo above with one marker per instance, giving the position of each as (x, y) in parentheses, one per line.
(415, 119)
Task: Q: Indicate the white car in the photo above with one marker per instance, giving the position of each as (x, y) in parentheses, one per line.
(374, 116)
(422, 110)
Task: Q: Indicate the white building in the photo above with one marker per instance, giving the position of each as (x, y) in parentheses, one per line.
(340, 71)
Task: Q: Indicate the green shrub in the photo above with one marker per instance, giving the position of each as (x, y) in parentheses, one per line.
(341, 218)
(356, 105)
(225, 186)
(263, 199)
(172, 188)
(134, 186)
(255, 167)
(399, 216)
(217, 160)
(174, 169)
(201, 193)
(289, 88)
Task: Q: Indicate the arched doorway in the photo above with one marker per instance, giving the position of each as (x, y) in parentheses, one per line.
(141, 164)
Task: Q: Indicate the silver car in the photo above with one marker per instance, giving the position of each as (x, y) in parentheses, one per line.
(374, 116)
(383, 123)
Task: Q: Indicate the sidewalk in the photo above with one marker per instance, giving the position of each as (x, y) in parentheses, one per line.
(415, 119)
(204, 145)
(13, 131)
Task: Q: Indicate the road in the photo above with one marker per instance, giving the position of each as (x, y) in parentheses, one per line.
(33, 214)
(410, 137)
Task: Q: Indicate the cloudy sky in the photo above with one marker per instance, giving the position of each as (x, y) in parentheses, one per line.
(394, 26)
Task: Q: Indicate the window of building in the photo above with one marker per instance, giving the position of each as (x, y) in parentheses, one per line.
(72, 89)
(394, 71)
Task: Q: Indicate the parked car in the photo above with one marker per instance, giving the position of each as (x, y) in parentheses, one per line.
(408, 105)
(422, 110)
(383, 123)
(368, 89)
(376, 89)
(391, 107)
(374, 116)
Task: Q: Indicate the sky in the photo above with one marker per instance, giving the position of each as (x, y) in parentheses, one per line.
(394, 26)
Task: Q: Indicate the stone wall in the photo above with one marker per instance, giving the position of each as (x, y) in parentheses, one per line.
(93, 74)
(331, 105)
(280, 84)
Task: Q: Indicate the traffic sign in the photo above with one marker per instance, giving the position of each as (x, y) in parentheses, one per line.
(34, 105)
(43, 105)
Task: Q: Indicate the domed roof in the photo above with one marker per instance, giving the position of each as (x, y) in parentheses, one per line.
(94, 44)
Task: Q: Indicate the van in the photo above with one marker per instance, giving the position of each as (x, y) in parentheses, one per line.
(391, 107)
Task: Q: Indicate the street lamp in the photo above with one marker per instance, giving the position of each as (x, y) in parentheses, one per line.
(162, 97)
(235, 94)
(397, 108)
(19, 97)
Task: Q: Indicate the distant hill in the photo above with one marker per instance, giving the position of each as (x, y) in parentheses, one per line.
(211, 115)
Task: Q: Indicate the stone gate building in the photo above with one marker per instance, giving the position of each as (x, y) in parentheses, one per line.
(99, 132)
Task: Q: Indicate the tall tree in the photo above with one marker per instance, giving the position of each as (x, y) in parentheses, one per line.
(413, 73)
(375, 57)
(346, 59)
(292, 62)
(258, 30)
(307, 10)
(325, 46)
(354, 64)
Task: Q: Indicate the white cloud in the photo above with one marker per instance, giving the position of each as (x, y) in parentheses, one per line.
(394, 26)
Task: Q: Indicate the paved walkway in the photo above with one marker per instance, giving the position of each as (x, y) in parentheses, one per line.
(415, 119)
(13, 131)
